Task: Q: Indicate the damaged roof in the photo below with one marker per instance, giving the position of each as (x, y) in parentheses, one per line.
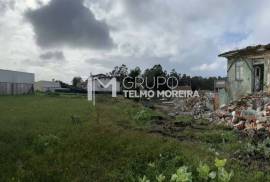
(250, 50)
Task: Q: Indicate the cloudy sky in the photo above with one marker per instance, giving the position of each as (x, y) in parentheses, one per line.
(65, 38)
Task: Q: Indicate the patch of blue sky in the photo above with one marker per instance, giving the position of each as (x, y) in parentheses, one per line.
(234, 37)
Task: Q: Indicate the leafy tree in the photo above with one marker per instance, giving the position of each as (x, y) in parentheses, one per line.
(76, 82)
(174, 79)
(151, 77)
(120, 71)
(135, 72)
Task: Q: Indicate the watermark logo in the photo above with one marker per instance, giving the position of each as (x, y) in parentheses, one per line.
(159, 87)
(108, 85)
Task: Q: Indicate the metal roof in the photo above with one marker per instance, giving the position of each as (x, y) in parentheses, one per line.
(9, 76)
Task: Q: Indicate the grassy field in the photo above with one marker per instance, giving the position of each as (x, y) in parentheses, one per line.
(64, 138)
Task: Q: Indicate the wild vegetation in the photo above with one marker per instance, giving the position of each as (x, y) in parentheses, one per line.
(64, 138)
(151, 75)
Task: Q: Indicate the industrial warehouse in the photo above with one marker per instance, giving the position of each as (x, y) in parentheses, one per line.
(16, 83)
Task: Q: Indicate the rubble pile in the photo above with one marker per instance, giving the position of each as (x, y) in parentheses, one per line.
(185, 104)
(196, 106)
(250, 114)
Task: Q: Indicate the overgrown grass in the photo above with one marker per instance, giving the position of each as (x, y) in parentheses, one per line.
(64, 138)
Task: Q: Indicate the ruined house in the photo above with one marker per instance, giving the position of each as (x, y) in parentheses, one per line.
(248, 70)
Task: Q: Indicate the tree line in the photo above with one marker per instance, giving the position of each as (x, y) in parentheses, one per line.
(151, 74)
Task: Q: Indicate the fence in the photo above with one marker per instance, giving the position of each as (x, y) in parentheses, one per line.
(16, 88)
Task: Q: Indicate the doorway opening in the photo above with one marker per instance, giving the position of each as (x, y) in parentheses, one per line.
(258, 77)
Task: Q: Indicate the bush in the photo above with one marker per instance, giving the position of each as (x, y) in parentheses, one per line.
(75, 119)
(261, 149)
(203, 171)
(53, 94)
(182, 174)
(45, 142)
(143, 115)
(144, 179)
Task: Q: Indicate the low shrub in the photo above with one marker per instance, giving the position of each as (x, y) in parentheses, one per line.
(75, 119)
(203, 173)
(258, 150)
(53, 94)
(45, 142)
(143, 115)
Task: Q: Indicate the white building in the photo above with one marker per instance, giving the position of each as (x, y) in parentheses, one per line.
(16, 83)
(47, 86)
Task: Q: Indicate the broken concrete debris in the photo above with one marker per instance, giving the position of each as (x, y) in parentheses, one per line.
(198, 107)
(250, 114)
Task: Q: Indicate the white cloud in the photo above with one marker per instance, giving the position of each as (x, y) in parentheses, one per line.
(209, 67)
(185, 35)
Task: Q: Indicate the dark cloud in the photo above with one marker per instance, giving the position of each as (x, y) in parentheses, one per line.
(142, 10)
(30, 62)
(2, 6)
(58, 55)
(6, 4)
(48, 58)
(68, 23)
